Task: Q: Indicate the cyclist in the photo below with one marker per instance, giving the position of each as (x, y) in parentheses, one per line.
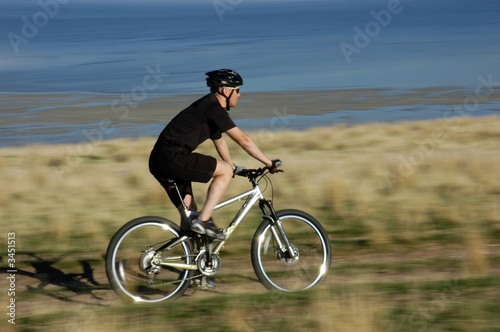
(173, 158)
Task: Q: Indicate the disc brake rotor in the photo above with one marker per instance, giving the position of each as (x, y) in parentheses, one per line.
(285, 257)
(146, 264)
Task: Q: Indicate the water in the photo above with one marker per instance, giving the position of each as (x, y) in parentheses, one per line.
(110, 47)
(105, 46)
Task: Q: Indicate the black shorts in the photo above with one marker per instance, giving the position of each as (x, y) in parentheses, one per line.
(183, 169)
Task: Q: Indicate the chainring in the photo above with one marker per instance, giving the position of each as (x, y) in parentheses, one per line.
(208, 269)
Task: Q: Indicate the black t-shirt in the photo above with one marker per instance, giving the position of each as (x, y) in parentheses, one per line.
(203, 119)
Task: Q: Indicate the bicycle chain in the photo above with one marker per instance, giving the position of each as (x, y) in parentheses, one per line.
(177, 281)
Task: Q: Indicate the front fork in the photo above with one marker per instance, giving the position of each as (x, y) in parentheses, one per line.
(277, 228)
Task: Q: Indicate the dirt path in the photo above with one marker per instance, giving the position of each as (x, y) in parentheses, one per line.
(78, 282)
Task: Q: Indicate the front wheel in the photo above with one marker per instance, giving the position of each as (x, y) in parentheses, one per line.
(134, 263)
(305, 266)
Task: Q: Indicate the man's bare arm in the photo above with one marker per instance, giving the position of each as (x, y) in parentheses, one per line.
(248, 145)
(223, 150)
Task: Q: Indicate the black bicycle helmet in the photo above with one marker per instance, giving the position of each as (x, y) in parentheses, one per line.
(223, 77)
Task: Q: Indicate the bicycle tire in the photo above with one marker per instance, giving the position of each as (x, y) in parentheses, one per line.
(308, 269)
(127, 261)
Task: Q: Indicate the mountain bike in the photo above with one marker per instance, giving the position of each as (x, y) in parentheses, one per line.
(150, 259)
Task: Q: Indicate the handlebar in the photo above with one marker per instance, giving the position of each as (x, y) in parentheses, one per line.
(252, 174)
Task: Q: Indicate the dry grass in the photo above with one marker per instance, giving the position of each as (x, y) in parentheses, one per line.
(394, 179)
(387, 184)
(361, 310)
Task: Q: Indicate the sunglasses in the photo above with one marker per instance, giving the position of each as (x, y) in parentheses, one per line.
(236, 89)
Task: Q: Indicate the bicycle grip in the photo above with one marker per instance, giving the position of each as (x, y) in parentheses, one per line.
(240, 170)
(277, 163)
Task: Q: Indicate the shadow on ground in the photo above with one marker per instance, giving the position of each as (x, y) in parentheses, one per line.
(67, 287)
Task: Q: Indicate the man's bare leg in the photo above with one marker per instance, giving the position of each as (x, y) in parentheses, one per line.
(222, 176)
(190, 203)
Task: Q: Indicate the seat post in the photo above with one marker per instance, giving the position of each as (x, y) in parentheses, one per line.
(183, 209)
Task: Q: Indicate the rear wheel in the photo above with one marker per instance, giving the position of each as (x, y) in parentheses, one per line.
(132, 261)
(277, 268)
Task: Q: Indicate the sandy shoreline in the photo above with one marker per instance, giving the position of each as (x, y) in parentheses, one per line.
(41, 118)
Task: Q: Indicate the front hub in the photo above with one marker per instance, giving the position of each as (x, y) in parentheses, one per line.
(286, 257)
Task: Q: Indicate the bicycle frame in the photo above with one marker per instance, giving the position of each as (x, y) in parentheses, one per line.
(252, 196)
(152, 259)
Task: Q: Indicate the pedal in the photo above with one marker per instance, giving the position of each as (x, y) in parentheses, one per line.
(205, 283)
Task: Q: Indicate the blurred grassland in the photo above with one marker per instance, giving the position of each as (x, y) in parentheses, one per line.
(387, 182)
(429, 188)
